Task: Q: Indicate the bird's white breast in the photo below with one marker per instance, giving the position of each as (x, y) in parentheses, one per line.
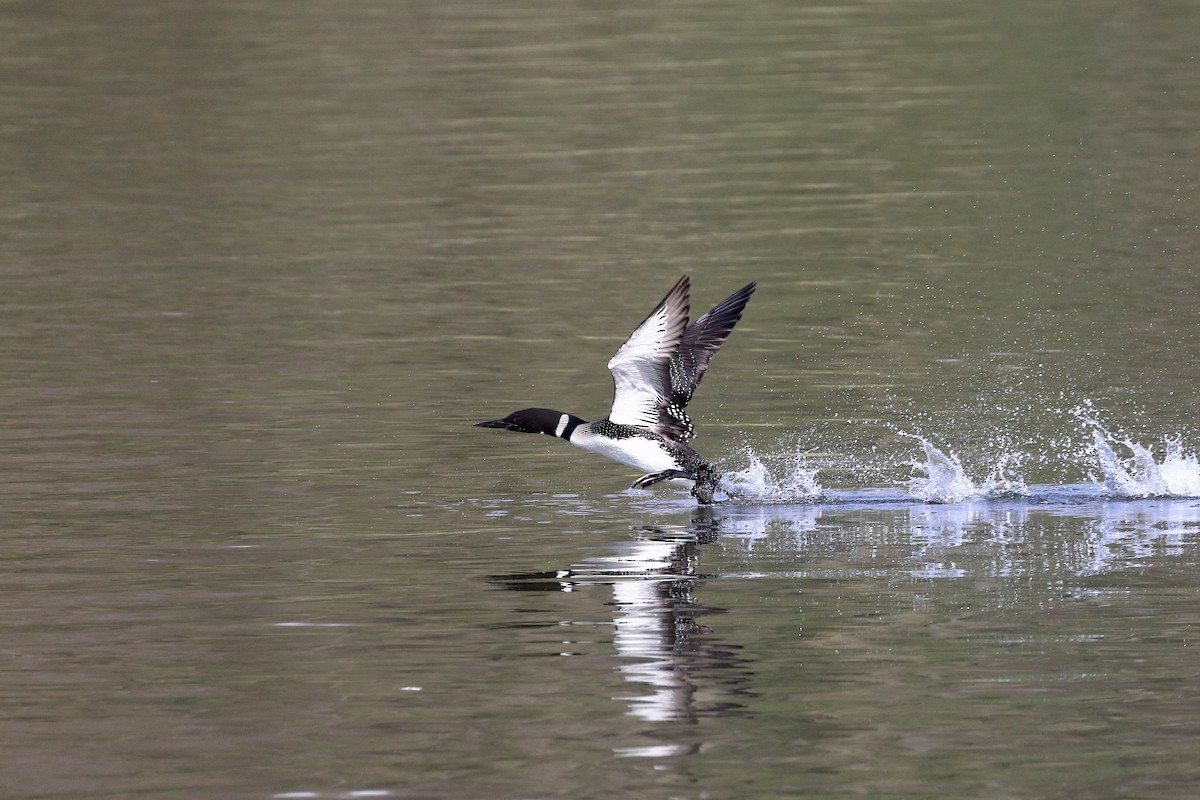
(638, 452)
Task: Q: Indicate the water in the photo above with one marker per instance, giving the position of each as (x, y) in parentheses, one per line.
(263, 266)
(941, 478)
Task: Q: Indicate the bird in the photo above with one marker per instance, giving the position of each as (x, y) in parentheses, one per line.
(655, 374)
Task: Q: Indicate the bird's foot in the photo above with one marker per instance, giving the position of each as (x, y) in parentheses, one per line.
(706, 483)
(658, 477)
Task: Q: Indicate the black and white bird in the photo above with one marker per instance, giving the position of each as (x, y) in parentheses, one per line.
(656, 372)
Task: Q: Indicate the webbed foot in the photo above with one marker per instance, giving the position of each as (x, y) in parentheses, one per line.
(658, 477)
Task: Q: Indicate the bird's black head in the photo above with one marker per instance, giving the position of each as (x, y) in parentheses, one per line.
(529, 420)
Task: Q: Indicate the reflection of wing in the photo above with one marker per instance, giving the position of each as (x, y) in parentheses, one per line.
(642, 367)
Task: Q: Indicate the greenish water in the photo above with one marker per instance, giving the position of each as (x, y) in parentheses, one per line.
(263, 266)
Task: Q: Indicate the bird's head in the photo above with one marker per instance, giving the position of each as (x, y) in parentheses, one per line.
(528, 420)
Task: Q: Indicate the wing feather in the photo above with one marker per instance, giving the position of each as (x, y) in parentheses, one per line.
(701, 340)
(700, 343)
(641, 368)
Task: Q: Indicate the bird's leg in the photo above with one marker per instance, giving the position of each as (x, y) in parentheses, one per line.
(659, 477)
(706, 479)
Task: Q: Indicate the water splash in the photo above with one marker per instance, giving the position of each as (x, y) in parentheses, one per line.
(994, 470)
(794, 481)
(1005, 479)
(1140, 475)
(945, 480)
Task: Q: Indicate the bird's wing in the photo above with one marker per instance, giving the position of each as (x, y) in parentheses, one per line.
(699, 344)
(641, 369)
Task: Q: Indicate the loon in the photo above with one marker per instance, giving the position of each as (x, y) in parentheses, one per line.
(655, 373)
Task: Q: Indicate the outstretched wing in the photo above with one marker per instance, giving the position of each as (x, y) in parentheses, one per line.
(641, 369)
(699, 344)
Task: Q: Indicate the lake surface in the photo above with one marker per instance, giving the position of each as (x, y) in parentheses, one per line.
(265, 264)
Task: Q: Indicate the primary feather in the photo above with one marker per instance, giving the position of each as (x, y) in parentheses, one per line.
(699, 344)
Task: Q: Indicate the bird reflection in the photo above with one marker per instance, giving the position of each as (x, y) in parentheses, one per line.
(682, 671)
(671, 656)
